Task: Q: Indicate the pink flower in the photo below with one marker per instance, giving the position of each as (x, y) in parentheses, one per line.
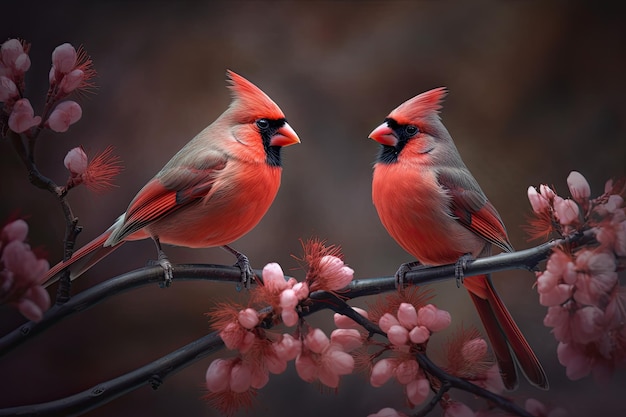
(579, 188)
(23, 116)
(71, 81)
(97, 174)
(323, 360)
(407, 315)
(407, 371)
(417, 391)
(387, 412)
(76, 161)
(457, 409)
(547, 193)
(20, 273)
(347, 339)
(566, 210)
(433, 318)
(345, 322)
(65, 114)
(538, 409)
(386, 321)
(382, 371)
(249, 318)
(14, 60)
(337, 275)
(218, 374)
(537, 201)
(578, 365)
(398, 335)
(64, 58)
(8, 89)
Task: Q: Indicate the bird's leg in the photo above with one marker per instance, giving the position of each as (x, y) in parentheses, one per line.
(164, 262)
(247, 274)
(460, 267)
(401, 272)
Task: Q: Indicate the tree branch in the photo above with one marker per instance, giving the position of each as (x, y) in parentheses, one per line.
(155, 372)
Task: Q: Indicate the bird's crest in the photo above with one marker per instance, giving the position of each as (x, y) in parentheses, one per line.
(420, 107)
(250, 101)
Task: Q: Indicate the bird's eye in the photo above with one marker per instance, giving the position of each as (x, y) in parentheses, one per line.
(263, 123)
(411, 130)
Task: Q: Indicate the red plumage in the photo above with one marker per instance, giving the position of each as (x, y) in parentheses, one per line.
(433, 207)
(213, 191)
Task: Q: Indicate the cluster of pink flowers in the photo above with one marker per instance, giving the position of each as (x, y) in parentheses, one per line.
(408, 327)
(458, 409)
(21, 271)
(232, 382)
(580, 286)
(71, 71)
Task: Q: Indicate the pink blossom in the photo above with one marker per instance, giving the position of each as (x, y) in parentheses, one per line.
(566, 210)
(557, 295)
(23, 116)
(288, 347)
(387, 412)
(71, 81)
(65, 114)
(398, 335)
(249, 318)
(289, 317)
(8, 89)
(237, 337)
(76, 161)
(218, 375)
(274, 278)
(386, 321)
(335, 273)
(537, 201)
(16, 230)
(20, 273)
(347, 339)
(577, 364)
(240, 377)
(458, 409)
(406, 371)
(578, 187)
(407, 315)
(13, 59)
(417, 391)
(64, 58)
(345, 322)
(547, 193)
(419, 334)
(320, 359)
(433, 318)
(301, 290)
(474, 350)
(382, 371)
(538, 409)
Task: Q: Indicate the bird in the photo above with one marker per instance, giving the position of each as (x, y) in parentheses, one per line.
(433, 207)
(211, 192)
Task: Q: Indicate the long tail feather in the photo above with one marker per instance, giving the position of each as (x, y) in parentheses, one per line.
(504, 335)
(528, 361)
(83, 259)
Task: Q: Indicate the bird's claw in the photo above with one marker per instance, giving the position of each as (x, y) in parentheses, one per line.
(401, 272)
(460, 267)
(168, 269)
(247, 274)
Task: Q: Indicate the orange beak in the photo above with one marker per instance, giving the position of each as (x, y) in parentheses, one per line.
(384, 135)
(285, 136)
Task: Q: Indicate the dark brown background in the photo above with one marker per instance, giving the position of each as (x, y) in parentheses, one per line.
(536, 90)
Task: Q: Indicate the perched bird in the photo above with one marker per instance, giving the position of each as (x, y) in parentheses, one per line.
(212, 192)
(430, 203)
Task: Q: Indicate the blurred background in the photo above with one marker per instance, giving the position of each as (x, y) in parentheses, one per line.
(536, 89)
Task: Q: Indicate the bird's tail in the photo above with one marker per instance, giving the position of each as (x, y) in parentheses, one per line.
(504, 335)
(83, 259)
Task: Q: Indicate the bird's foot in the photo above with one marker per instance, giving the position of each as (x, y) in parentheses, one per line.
(401, 272)
(168, 269)
(460, 267)
(247, 274)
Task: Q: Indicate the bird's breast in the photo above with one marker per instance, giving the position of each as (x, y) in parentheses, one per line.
(414, 209)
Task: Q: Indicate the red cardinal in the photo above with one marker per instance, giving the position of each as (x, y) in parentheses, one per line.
(433, 207)
(212, 192)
